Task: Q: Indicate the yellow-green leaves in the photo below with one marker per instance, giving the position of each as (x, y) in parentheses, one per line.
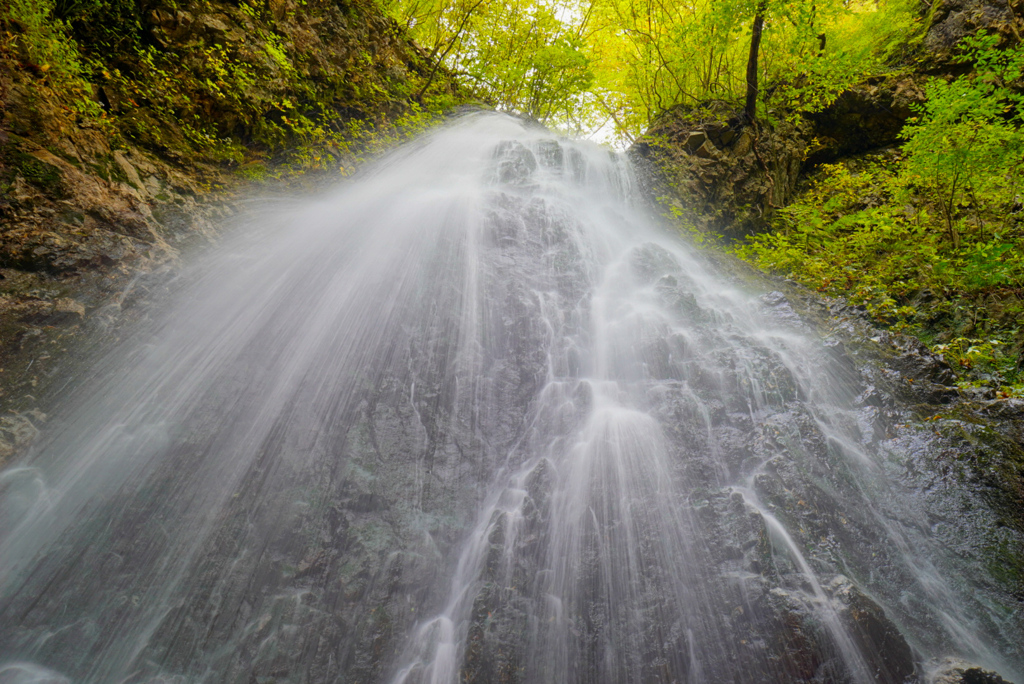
(520, 55)
(43, 39)
(585, 63)
(965, 147)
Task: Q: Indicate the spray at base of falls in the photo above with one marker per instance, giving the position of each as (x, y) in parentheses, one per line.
(473, 418)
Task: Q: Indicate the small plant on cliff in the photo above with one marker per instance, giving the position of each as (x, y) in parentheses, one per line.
(109, 26)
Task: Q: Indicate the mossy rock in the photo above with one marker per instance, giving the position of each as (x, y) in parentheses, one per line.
(46, 178)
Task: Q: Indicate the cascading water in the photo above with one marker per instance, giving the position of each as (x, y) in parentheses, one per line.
(472, 418)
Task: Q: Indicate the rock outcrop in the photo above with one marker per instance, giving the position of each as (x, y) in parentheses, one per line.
(723, 174)
(955, 671)
(949, 21)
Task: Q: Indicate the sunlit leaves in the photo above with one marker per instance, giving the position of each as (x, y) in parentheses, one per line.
(624, 62)
(650, 55)
(932, 239)
(521, 55)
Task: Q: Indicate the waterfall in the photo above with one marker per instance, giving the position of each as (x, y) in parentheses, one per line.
(474, 417)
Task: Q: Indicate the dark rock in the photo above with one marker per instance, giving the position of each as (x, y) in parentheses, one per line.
(1005, 409)
(694, 140)
(170, 27)
(976, 675)
(219, 28)
(955, 671)
(920, 363)
(727, 177)
(867, 116)
(780, 309)
(279, 8)
(953, 20)
(650, 262)
(55, 252)
(706, 151)
(514, 164)
(741, 147)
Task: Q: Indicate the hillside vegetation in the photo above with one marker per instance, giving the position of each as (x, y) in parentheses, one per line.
(617, 65)
(217, 82)
(928, 234)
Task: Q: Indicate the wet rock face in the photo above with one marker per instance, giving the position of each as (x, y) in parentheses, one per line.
(891, 659)
(86, 219)
(515, 164)
(94, 205)
(78, 250)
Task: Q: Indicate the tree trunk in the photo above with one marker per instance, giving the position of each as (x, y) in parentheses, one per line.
(750, 109)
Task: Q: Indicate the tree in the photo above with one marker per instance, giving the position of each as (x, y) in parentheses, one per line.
(438, 60)
(750, 108)
(627, 61)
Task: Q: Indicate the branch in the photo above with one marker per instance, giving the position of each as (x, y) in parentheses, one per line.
(451, 44)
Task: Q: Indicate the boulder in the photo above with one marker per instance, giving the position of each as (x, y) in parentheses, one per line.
(868, 116)
(953, 20)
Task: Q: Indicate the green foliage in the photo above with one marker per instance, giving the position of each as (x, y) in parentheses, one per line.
(866, 232)
(259, 95)
(650, 55)
(984, 356)
(965, 147)
(526, 56)
(248, 94)
(42, 43)
(929, 240)
(43, 40)
(591, 64)
(106, 26)
(44, 176)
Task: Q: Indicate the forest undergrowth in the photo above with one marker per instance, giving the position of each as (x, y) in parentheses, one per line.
(927, 236)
